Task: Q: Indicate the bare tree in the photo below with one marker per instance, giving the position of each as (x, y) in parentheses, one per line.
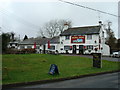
(62, 23)
(54, 28)
(110, 39)
(51, 28)
(41, 33)
(108, 29)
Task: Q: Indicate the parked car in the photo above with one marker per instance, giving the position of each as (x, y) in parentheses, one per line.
(115, 54)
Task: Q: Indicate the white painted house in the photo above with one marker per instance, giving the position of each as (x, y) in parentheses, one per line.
(81, 40)
(75, 40)
(13, 44)
(37, 43)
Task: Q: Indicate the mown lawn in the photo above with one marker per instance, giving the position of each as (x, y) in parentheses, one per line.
(34, 67)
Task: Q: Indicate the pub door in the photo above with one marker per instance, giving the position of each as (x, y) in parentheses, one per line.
(80, 49)
(74, 49)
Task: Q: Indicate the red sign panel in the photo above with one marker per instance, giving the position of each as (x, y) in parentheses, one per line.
(77, 39)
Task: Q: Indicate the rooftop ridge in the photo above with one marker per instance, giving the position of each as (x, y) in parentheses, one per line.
(85, 27)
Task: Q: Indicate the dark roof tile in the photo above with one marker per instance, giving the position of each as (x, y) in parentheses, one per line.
(81, 30)
(55, 40)
(39, 41)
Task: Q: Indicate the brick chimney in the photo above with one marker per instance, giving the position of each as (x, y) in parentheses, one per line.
(66, 26)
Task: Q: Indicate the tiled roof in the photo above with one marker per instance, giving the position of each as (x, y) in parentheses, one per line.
(39, 41)
(55, 40)
(81, 30)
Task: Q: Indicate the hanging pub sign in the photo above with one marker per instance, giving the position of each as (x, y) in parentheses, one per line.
(97, 62)
(77, 39)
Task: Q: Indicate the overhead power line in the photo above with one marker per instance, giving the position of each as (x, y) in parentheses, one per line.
(89, 8)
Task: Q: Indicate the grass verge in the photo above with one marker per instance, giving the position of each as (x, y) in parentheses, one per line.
(34, 67)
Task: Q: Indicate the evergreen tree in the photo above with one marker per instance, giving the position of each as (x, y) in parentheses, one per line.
(25, 37)
(5, 41)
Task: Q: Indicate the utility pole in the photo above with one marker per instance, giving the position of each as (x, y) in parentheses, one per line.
(19, 37)
(0, 30)
(109, 24)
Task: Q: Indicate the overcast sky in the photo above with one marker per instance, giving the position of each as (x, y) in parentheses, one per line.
(25, 17)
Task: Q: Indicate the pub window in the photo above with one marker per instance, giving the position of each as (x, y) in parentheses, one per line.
(15, 44)
(67, 37)
(52, 47)
(89, 37)
(67, 48)
(13, 47)
(61, 49)
(22, 47)
(62, 41)
(90, 47)
(37, 47)
(10, 44)
(102, 33)
(29, 46)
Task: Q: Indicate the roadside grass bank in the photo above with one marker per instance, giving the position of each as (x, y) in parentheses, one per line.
(34, 67)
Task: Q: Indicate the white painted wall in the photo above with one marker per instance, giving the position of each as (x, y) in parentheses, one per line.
(95, 37)
(106, 50)
(87, 42)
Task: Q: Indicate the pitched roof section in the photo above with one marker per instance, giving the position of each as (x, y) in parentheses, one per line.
(81, 30)
(39, 41)
(55, 40)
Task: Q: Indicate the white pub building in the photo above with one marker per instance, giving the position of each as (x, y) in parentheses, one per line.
(81, 40)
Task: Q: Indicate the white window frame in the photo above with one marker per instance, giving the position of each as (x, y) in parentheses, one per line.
(67, 47)
(22, 47)
(52, 48)
(89, 37)
(29, 47)
(67, 37)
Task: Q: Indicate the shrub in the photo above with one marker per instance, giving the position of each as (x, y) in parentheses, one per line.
(21, 51)
(30, 50)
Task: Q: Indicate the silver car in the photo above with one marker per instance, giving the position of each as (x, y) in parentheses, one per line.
(116, 54)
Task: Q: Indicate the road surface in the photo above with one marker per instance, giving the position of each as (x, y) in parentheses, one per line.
(99, 81)
(103, 58)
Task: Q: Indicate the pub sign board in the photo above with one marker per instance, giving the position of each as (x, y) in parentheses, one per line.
(77, 39)
(97, 62)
